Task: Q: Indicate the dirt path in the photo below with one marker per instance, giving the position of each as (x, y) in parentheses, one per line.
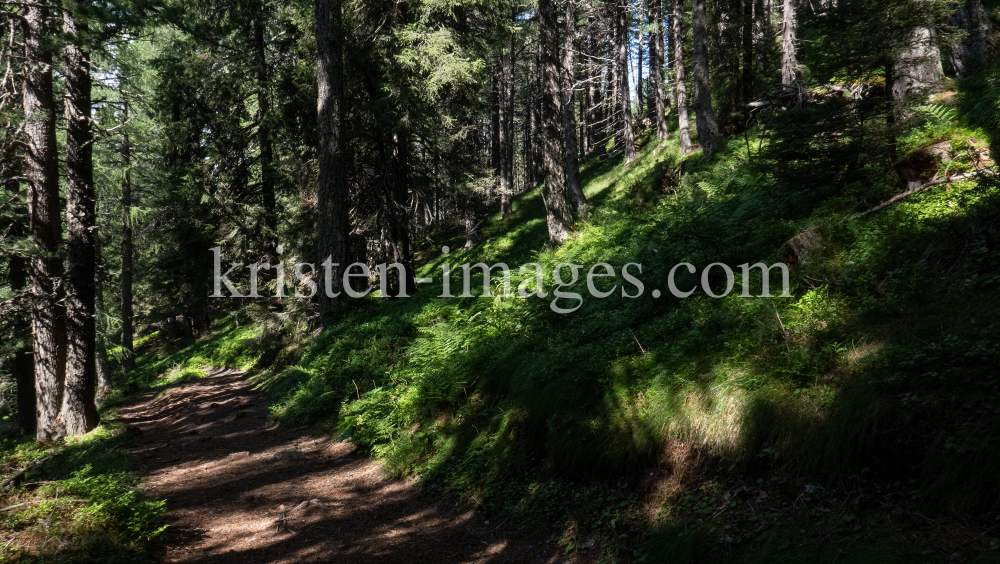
(209, 450)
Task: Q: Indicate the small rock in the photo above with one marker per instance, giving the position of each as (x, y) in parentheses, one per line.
(288, 454)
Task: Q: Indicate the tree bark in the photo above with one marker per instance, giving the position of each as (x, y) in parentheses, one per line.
(788, 63)
(639, 101)
(569, 115)
(331, 190)
(48, 318)
(683, 122)
(269, 199)
(79, 409)
(22, 368)
(747, 94)
(128, 331)
(511, 91)
(656, 103)
(708, 131)
(496, 154)
(625, 138)
(595, 98)
(558, 208)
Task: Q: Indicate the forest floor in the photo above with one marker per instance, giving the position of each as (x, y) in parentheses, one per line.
(239, 489)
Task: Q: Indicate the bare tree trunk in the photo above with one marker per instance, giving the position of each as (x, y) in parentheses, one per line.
(128, 331)
(747, 94)
(266, 150)
(625, 142)
(511, 90)
(639, 101)
(682, 108)
(495, 121)
(503, 130)
(569, 115)
(788, 64)
(595, 89)
(332, 193)
(79, 408)
(558, 209)
(656, 104)
(708, 131)
(23, 368)
(48, 319)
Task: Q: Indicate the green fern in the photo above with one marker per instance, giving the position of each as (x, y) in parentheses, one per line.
(939, 112)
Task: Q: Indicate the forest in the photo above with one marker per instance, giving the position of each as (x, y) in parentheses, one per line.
(594, 281)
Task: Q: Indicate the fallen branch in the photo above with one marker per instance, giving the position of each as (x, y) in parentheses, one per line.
(6, 484)
(16, 505)
(921, 187)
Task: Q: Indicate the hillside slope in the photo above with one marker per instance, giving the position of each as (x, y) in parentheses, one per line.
(855, 419)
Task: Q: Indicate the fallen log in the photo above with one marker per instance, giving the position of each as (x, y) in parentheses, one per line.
(918, 187)
(14, 478)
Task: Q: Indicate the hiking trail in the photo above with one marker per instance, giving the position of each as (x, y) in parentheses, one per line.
(240, 489)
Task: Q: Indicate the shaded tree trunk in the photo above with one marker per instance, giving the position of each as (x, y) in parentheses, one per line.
(128, 332)
(558, 207)
(624, 138)
(788, 63)
(682, 109)
(511, 82)
(747, 94)
(595, 98)
(708, 131)
(496, 153)
(639, 101)
(79, 408)
(268, 197)
(48, 318)
(331, 192)
(22, 368)
(656, 103)
(569, 115)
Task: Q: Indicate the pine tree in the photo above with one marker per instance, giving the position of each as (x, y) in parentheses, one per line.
(558, 210)
(708, 131)
(48, 320)
(332, 197)
(679, 81)
(569, 115)
(79, 411)
(624, 138)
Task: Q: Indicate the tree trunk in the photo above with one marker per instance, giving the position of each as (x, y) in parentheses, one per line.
(569, 115)
(595, 88)
(79, 408)
(128, 331)
(656, 103)
(268, 197)
(682, 109)
(624, 139)
(747, 94)
(639, 101)
(495, 121)
(23, 368)
(558, 207)
(505, 197)
(331, 190)
(788, 64)
(708, 131)
(48, 316)
(506, 92)
(680, 78)
(400, 211)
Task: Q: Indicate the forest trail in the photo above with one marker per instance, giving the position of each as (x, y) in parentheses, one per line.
(209, 449)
